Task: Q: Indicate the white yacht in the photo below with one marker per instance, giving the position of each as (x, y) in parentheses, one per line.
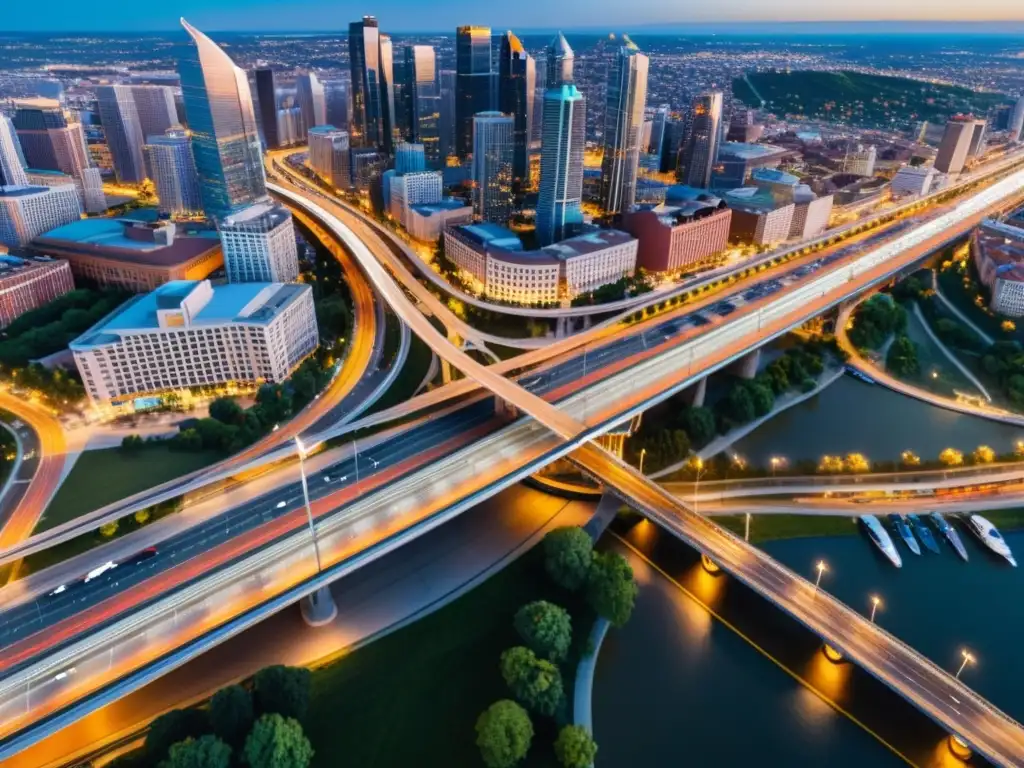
(882, 539)
(990, 537)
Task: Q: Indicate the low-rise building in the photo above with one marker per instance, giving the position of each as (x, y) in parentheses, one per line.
(27, 212)
(426, 222)
(672, 238)
(811, 213)
(736, 161)
(911, 181)
(28, 283)
(134, 254)
(757, 217)
(190, 334)
(998, 250)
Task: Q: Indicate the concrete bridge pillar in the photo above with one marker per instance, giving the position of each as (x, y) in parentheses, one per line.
(746, 367)
(697, 393)
(959, 747)
(561, 327)
(446, 368)
(832, 654)
(587, 322)
(318, 608)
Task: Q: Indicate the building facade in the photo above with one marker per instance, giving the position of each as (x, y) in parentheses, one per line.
(266, 100)
(624, 119)
(423, 102)
(998, 250)
(955, 146)
(27, 212)
(329, 155)
(494, 146)
(312, 101)
(26, 284)
(12, 172)
(473, 83)
(155, 107)
(674, 238)
(700, 143)
(1017, 121)
(259, 245)
(123, 131)
(517, 85)
(190, 334)
(911, 181)
(367, 128)
(174, 173)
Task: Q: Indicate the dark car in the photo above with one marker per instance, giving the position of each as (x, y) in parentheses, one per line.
(141, 556)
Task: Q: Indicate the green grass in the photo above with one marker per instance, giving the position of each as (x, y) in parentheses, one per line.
(413, 697)
(772, 527)
(102, 477)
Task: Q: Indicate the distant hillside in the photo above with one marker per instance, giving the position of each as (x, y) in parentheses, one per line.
(870, 101)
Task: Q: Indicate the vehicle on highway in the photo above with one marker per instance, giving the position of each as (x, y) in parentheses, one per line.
(139, 557)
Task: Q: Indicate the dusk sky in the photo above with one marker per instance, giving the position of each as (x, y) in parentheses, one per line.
(438, 15)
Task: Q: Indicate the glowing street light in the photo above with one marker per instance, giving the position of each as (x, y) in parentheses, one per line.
(820, 568)
(698, 464)
(305, 497)
(643, 452)
(968, 659)
(875, 602)
(776, 462)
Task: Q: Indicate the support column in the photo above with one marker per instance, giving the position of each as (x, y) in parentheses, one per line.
(587, 321)
(505, 409)
(697, 393)
(746, 367)
(318, 608)
(446, 367)
(561, 327)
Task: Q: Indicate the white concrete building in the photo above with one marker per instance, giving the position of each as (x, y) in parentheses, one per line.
(594, 259)
(329, 155)
(27, 212)
(910, 181)
(173, 170)
(810, 213)
(861, 161)
(190, 334)
(90, 183)
(259, 244)
(426, 222)
(424, 188)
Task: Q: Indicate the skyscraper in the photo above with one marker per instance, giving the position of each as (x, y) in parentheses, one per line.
(624, 118)
(123, 131)
(392, 130)
(367, 126)
(559, 64)
(955, 145)
(473, 84)
(266, 99)
(658, 130)
(517, 82)
(174, 172)
(329, 155)
(446, 122)
(978, 135)
(154, 105)
(225, 140)
(309, 93)
(423, 102)
(561, 159)
(494, 145)
(1017, 121)
(259, 244)
(700, 142)
(336, 93)
(49, 142)
(410, 158)
(12, 173)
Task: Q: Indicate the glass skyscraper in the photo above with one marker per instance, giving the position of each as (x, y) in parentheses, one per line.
(700, 144)
(225, 139)
(123, 131)
(624, 119)
(367, 126)
(493, 155)
(517, 81)
(423, 101)
(473, 83)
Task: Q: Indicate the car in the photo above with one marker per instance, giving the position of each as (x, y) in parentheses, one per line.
(723, 308)
(281, 505)
(699, 320)
(141, 556)
(99, 570)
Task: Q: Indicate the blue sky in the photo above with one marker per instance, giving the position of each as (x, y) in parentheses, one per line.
(436, 15)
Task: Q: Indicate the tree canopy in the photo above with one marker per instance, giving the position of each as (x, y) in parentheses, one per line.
(546, 628)
(283, 690)
(611, 589)
(503, 734)
(231, 714)
(277, 742)
(574, 747)
(536, 683)
(205, 752)
(172, 727)
(568, 552)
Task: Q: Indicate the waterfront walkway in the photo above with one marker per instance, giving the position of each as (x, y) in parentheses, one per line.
(956, 311)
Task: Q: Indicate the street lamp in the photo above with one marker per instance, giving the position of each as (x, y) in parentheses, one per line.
(821, 568)
(875, 602)
(305, 497)
(776, 462)
(698, 463)
(968, 659)
(643, 451)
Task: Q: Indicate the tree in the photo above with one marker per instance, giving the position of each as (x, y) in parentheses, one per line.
(142, 516)
(131, 444)
(568, 552)
(762, 397)
(546, 628)
(283, 690)
(277, 742)
(205, 752)
(503, 734)
(951, 457)
(108, 530)
(738, 406)
(226, 410)
(611, 590)
(699, 424)
(536, 683)
(984, 455)
(231, 714)
(574, 747)
(172, 727)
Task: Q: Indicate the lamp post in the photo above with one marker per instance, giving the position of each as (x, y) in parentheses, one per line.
(821, 568)
(968, 659)
(776, 462)
(305, 497)
(875, 602)
(643, 452)
(699, 464)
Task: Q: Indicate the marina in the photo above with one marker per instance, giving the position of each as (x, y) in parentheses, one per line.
(899, 524)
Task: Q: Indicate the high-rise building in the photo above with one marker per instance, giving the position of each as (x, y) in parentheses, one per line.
(266, 99)
(624, 117)
(170, 160)
(392, 129)
(367, 127)
(420, 188)
(225, 140)
(94, 200)
(671, 142)
(329, 155)
(446, 122)
(559, 63)
(49, 142)
(473, 82)
(423, 101)
(860, 160)
(956, 144)
(154, 105)
(517, 83)
(561, 164)
(494, 147)
(336, 94)
(978, 136)
(658, 122)
(123, 131)
(312, 101)
(367, 169)
(701, 140)
(410, 158)
(259, 244)
(27, 212)
(12, 173)
(1017, 121)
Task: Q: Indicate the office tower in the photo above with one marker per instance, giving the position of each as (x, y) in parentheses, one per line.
(291, 128)
(658, 122)
(561, 164)
(410, 158)
(336, 94)
(12, 173)
(123, 131)
(494, 148)
(367, 170)
(225, 140)
(401, 90)
(860, 160)
(559, 64)
(423, 102)
(978, 136)
(624, 117)
(170, 161)
(259, 244)
(540, 83)
(309, 93)
(700, 144)
(392, 131)
(412, 189)
(472, 82)
(90, 182)
(27, 212)
(266, 100)
(517, 82)
(671, 142)
(1017, 121)
(367, 127)
(955, 145)
(155, 107)
(329, 155)
(47, 140)
(446, 122)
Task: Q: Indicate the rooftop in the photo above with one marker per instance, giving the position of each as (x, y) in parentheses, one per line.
(588, 242)
(775, 176)
(493, 235)
(751, 199)
(448, 204)
(23, 191)
(264, 215)
(1007, 253)
(742, 151)
(324, 129)
(127, 240)
(16, 265)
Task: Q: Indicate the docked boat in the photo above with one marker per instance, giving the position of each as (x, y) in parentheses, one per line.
(924, 533)
(950, 534)
(899, 524)
(990, 537)
(882, 539)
